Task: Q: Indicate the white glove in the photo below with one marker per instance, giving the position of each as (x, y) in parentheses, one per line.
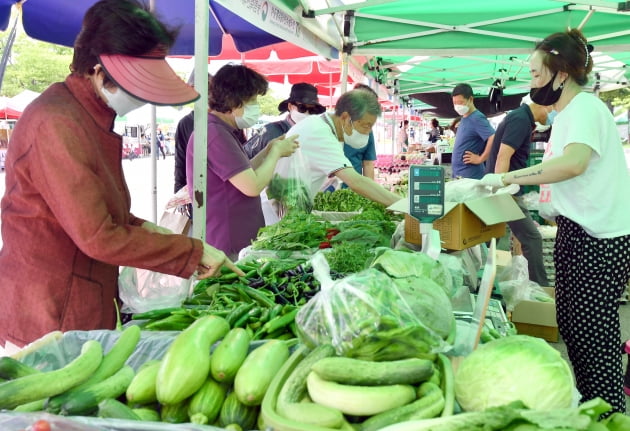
(492, 180)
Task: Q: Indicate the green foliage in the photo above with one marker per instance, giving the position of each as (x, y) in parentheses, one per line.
(269, 104)
(34, 65)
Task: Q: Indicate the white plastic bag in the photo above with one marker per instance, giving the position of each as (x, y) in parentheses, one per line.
(142, 290)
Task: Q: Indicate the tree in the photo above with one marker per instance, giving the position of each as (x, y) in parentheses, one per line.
(619, 98)
(34, 65)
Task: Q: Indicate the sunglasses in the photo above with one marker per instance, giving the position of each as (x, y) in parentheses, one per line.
(310, 109)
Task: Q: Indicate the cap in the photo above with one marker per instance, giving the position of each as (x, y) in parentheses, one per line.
(148, 77)
(301, 93)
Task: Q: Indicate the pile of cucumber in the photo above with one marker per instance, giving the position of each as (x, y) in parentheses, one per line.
(188, 384)
(322, 390)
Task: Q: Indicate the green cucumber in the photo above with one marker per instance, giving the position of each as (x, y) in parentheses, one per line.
(112, 361)
(47, 384)
(294, 387)
(85, 401)
(259, 368)
(207, 400)
(175, 413)
(186, 364)
(233, 411)
(111, 408)
(429, 405)
(369, 373)
(11, 368)
(141, 390)
(229, 355)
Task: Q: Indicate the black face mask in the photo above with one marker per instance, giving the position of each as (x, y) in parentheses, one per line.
(546, 96)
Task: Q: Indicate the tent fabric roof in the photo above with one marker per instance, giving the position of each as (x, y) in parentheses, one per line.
(420, 46)
(59, 22)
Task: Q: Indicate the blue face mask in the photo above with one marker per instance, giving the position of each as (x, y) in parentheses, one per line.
(550, 117)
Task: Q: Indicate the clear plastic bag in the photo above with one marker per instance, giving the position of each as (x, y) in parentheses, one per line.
(515, 286)
(142, 290)
(369, 316)
(290, 186)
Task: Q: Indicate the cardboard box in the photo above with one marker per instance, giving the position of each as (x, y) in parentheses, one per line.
(537, 318)
(470, 223)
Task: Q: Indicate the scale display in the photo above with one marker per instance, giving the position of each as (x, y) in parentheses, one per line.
(426, 192)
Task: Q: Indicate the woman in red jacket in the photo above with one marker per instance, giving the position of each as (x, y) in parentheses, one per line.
(66, 221)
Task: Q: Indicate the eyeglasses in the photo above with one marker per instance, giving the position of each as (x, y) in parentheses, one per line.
(310, 109)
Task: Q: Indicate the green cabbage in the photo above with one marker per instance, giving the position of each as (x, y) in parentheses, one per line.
(428, 302)
(514, 368)
(400, 264)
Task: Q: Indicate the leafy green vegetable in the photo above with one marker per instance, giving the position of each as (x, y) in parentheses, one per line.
(295, 231)
(515, 368)
(428, 301)
(348, 257)
(516, 417)
(292, 193)
(400, 264)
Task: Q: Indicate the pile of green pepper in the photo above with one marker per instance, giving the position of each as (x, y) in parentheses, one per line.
(264, 302)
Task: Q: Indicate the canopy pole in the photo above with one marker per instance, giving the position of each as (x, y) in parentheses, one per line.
(202, 17)
(153, 150)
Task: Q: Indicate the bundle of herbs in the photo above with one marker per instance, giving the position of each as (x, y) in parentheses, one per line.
(295, 231)
(291, 192)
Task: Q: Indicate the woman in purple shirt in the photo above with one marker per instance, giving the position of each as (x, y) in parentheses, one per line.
(234, 183)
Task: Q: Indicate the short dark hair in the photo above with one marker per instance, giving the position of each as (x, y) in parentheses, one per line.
(465, 90)
(124, 27)
(357, 103)
(233, 85)
(360, 86)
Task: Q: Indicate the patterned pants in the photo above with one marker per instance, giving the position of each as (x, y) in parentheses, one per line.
(591, 275)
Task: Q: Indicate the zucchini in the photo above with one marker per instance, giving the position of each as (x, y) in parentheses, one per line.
(47, 384)
(369, 373)
(429, 405)
(141, 390)
(111, 408)
(11, 368)
(258, 369)
(312, 414)
(33, 406)
(294, 387)
(358, 400)
(112, 361)
(85, 401)
(229, 355)
(207, 401)
(447, 384)
(147, 414)
(175, 413)
(186, 363)
(233, 411)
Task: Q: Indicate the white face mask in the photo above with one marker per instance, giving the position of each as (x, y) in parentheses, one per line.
(357, 139)
(121, 102)
(251, 114)
(298, 116)
(461, 109)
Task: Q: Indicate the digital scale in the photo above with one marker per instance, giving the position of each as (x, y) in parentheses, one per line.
(426, 203)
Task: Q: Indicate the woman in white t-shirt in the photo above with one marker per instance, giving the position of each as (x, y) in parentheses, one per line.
(584, 188)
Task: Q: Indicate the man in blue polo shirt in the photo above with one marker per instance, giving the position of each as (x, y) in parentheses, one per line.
(474, 136)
